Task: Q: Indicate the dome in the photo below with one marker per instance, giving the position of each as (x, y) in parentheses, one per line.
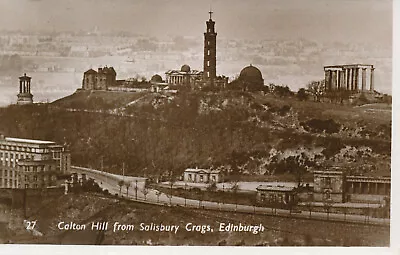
(185, 68)
(251, 73)
(156, 78)
(251, 79)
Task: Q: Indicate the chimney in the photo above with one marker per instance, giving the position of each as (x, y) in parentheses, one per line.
(99, 69)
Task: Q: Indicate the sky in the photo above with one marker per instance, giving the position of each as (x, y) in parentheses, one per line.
(318, 20)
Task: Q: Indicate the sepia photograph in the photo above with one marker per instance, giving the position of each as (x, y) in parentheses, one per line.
(196, 123)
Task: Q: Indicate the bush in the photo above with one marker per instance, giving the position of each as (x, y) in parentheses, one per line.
(319, 126)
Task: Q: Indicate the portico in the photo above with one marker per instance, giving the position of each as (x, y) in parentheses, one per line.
(356, 77)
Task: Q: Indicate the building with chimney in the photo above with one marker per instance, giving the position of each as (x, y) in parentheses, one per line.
(101, 79)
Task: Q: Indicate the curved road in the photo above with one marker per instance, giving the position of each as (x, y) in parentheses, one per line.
(109, 182)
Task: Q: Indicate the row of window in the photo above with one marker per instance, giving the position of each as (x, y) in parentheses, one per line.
(23, 149)
(192, 177)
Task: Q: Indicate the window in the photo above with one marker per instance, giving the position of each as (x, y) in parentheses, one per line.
(208, 74)
(208, 63)
(213, 178)
(327, 182)
(201, 177)
(26, 186)
(208, 42)
(208, 52)
(190, 176)
(35, 178)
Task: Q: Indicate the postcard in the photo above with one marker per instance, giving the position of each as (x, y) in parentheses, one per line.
(196, 123)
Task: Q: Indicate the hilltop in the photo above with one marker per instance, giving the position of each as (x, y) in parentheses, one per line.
(239, 132)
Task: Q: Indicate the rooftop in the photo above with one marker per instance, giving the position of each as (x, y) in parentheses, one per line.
(275, 188)
(21, 140)
(198, 170)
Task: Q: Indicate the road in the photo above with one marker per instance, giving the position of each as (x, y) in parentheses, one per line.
(152, 196)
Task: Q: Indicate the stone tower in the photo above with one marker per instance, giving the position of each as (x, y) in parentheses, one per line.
(210, 52)
(25, 96)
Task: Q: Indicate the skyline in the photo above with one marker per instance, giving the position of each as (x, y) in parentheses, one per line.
(318, 20)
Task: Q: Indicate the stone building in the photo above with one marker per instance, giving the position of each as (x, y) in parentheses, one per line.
(275, 195)
(339, 187)
(356, 77)
(201, 175)
(250, 79)
(25, 97)
(101, 79)
(329, 185)
(183, 77)
(26, 163)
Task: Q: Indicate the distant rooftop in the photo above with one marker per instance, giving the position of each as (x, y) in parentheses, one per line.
(275, 188)
(21, 140)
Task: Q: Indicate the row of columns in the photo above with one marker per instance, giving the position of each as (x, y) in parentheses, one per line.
(369, 188)
(348, 78)
(175, 79)
(24, 86)
(178, 80)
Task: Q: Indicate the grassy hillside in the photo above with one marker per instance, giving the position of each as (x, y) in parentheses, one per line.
(239, 132)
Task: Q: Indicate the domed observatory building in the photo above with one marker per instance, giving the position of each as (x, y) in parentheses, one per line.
(184, 77)
(250, 79)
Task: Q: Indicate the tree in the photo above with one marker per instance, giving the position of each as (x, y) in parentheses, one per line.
(136, 188)
(302, 94)
(310, 206)
(120, 184)
(317, 89)
(212, 187)
(145, 191)
(328, 203)
(127, 185)
(234, 189)
(158, 194)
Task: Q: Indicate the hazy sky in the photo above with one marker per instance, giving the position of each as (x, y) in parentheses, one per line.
(334, 20)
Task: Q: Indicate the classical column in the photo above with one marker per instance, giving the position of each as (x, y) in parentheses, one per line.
(20, 86)
(368, 188)
(342, 79)
(334, 80)
(347, 75)
(352, 188)
(371, 82)
(327, 79)
(337, 79)
(361, 190)
(376, 188)
(356, 79)
(350, 79)
(364, 79)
